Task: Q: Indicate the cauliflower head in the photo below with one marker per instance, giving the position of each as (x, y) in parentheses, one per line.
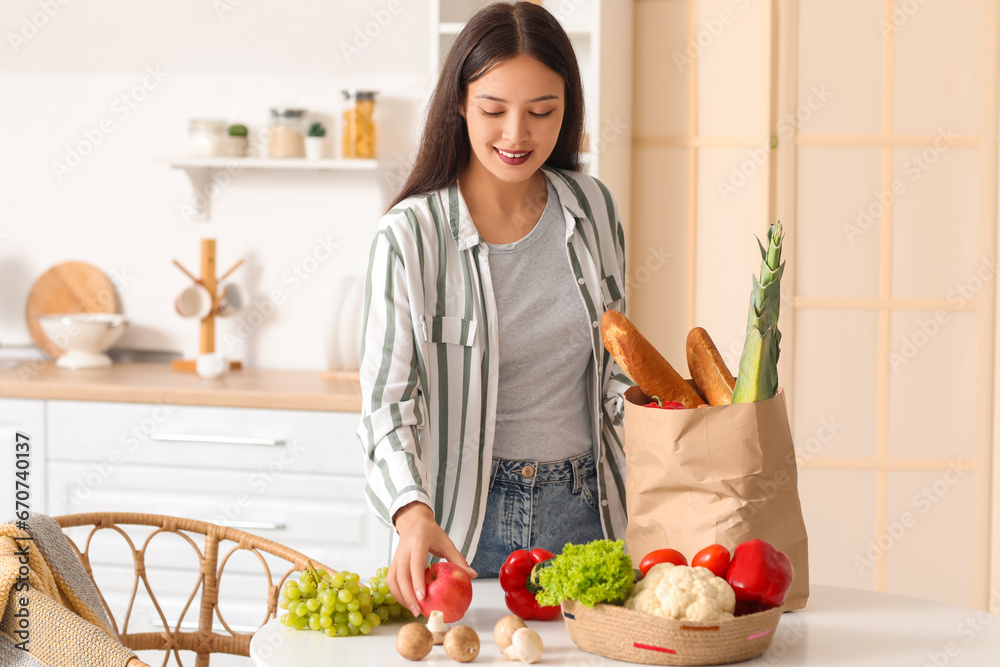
(683, 593)
(643, 596)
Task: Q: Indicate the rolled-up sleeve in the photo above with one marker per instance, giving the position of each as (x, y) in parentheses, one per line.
(390, 393)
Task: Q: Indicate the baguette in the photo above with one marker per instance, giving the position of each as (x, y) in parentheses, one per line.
(643, 363)
(708, 371)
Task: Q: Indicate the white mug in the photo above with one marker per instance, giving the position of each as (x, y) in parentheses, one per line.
(194, 301)
(212, 365)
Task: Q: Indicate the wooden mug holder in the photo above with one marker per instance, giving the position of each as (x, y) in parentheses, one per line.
(206, 344)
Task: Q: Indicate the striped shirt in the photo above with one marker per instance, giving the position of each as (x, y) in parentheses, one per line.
(429, 367)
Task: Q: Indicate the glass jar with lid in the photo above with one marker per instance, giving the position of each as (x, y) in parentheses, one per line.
(287, 133)
(206, 137)
(360, 133)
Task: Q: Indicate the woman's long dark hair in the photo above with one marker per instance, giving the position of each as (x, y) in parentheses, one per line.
(496, 33)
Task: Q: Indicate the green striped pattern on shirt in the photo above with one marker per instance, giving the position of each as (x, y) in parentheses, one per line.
(428, 363)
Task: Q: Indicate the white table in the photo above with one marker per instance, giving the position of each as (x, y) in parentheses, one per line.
(840, 626)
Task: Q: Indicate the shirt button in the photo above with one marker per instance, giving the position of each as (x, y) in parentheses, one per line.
(580, 280)
(595, 324)
(527, 471)
(604, 503)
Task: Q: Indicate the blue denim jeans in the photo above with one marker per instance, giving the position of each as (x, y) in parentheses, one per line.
(537, 505)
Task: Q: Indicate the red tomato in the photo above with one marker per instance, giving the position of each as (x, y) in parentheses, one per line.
(661, 556)
(714, 558)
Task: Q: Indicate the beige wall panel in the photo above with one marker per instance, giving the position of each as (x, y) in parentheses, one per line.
(613, 136)
(839, 524)
(582, 47)
(938, 76)
(836, 234)
(661, 68)
(880, 395)
(932, 380)
(460, 11)
(840, 52)
(835, 358)
(727, 252)
(573, 14)
(656, 262)
(931, 512)
(445, 42)
(936, 220)
(732, 77)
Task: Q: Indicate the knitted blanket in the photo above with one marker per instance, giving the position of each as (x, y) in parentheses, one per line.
(66, 625)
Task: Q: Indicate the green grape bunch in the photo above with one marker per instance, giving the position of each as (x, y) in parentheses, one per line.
(338, 604)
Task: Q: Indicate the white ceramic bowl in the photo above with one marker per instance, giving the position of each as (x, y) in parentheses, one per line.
(85, 337)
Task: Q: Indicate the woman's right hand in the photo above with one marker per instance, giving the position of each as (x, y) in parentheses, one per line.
(419, 535)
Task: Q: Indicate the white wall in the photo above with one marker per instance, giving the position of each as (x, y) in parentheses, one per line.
(120, 209)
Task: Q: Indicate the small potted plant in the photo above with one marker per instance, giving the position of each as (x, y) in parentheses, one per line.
(236, 141)
(315, 141)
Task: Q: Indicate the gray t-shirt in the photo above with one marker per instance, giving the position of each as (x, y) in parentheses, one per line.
(545, 350)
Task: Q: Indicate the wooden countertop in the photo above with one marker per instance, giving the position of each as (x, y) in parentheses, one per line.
(151, 383)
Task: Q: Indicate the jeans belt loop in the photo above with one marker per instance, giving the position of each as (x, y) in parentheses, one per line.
(493, 472)
(577, 477)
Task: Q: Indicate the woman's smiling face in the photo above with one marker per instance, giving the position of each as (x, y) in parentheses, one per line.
(514, 113)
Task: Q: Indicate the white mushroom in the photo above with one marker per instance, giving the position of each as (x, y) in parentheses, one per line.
(461, 643)
(505, 628)
(414, 641)
(437, 627)
(526, 646)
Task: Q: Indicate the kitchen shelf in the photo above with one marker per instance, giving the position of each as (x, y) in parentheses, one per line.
(271, 163)
(208, 175)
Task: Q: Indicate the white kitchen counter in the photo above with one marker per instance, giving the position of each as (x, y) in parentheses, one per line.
(840, 626)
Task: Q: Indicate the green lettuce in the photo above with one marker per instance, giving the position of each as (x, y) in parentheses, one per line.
(588, 573)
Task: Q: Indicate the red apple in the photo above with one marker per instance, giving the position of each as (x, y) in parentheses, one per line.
(448, 589)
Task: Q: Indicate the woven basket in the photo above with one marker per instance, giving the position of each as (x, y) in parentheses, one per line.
(635, 636)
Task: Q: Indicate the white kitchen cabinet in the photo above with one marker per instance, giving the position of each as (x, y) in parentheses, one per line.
(28, 418)
(293, 476)
(323, 516)
(192, 437)
(271, 452)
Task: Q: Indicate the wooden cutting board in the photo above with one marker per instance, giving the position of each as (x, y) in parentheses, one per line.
(70, 287)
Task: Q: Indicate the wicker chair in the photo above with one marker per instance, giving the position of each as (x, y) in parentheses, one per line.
(204, 641)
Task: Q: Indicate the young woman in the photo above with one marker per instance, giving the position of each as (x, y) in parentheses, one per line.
(488, 398)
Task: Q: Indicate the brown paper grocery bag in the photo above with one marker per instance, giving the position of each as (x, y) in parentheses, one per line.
(716, 475)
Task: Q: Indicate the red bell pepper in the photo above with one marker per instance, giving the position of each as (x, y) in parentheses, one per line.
(658, 402)
(520, 586)
(760, 576)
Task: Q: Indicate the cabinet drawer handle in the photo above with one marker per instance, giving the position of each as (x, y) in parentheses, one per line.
(220, 439)
(250, 525)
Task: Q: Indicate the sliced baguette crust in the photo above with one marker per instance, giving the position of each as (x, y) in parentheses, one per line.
(643, 363)
(708, 370)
